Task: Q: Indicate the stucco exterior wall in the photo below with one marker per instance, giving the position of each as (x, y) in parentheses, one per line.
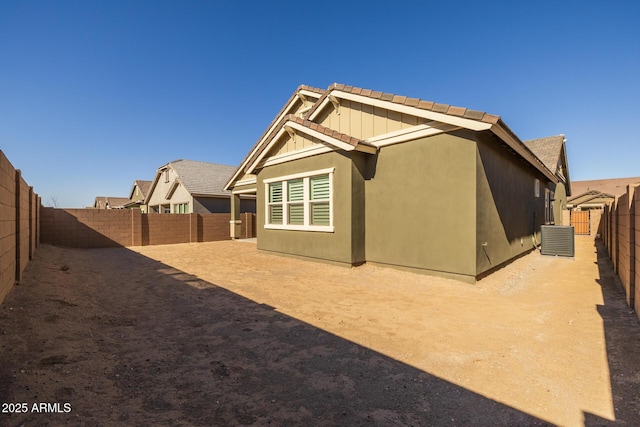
(508, 212)
(180, 195)
(420, 205)
(337, 246)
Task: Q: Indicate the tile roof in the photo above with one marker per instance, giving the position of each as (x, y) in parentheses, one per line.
(203, 178)
(413, 102)
(613, 186)
(454, 111)
(547, 149)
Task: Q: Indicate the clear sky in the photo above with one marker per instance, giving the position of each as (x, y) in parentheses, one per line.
(97, 94)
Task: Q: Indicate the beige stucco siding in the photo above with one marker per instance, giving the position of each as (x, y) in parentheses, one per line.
(509, 214)
(180, 195)
(420, 210)
(365, 121)
(337, 246)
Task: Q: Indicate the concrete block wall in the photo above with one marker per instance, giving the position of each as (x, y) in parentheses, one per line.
(624, 252)
(96, 228)
(636, 258)
(163, 229)
(621, 235)
(19, 208)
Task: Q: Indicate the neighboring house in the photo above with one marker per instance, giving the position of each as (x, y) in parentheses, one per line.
(102, 202)
(612, 186)
(592, 199)
(350, 175)
(138, 193)
(187, 186)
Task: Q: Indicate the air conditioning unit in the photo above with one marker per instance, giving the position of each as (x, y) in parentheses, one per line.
(557, 240)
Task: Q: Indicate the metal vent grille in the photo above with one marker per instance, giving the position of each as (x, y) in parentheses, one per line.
(557, 240)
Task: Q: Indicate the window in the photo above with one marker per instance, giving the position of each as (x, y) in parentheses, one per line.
(181, 208)
(548, 206)
(166, 175)
(536, 188)
(166, 209)
(300, 202)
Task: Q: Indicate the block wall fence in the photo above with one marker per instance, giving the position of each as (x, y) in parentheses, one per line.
(103, 228)
(19, 225)
(621, 235)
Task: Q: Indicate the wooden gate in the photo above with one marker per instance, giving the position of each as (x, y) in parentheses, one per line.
(581, 222)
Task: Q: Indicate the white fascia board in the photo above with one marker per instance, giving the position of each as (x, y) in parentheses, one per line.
(308, 93)
(321, 136)
(245, 191)
(299, 175)
(409, 134)
(247, 181)
(153, 186)
(519, 148)
(252, 166)
(321, 107)
(413, 111)
(298, 154)
(285, 111)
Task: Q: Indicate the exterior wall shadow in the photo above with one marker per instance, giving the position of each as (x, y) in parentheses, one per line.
(165, 345)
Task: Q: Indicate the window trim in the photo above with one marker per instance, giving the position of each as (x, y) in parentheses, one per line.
(307, 202)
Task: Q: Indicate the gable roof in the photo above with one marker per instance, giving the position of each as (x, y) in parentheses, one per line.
(198, 178)
(144, 187)
(548, 149)
(442, 113)
(104, 202)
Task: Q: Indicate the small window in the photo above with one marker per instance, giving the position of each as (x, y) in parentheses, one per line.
(181, 208)
(166, 175)
(536, 188)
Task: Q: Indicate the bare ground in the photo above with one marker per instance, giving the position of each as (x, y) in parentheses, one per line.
(221, 334)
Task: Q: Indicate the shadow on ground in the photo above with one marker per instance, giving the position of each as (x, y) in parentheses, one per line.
(621, 330)
(127, 340)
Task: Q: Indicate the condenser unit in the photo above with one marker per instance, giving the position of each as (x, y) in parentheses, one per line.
(557, 240)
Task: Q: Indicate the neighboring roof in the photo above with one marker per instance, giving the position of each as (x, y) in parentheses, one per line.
(198, 178)
(590, 198)
(144, 187)
(444, 113)
(613, 186)
(103, 202)
(548, 150)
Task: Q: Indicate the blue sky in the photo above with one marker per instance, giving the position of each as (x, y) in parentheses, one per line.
(96, 94)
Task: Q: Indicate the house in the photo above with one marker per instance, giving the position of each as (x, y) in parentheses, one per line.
(349, 175)
(585, 208)
(611, 186)
(188, 186)
(592, 199)
(138, 193)
(102, 202)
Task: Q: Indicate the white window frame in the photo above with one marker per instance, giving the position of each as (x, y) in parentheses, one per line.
(536, 188)
(307, 202)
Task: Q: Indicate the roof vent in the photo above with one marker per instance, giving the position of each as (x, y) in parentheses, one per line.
(557, 240)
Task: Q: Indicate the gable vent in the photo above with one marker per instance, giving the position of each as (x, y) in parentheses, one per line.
(557, 240)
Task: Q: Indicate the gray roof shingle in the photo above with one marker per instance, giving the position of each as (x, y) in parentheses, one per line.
(202, 178)
(547, 149)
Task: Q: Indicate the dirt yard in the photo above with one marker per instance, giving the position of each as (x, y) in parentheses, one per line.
(221, 334)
